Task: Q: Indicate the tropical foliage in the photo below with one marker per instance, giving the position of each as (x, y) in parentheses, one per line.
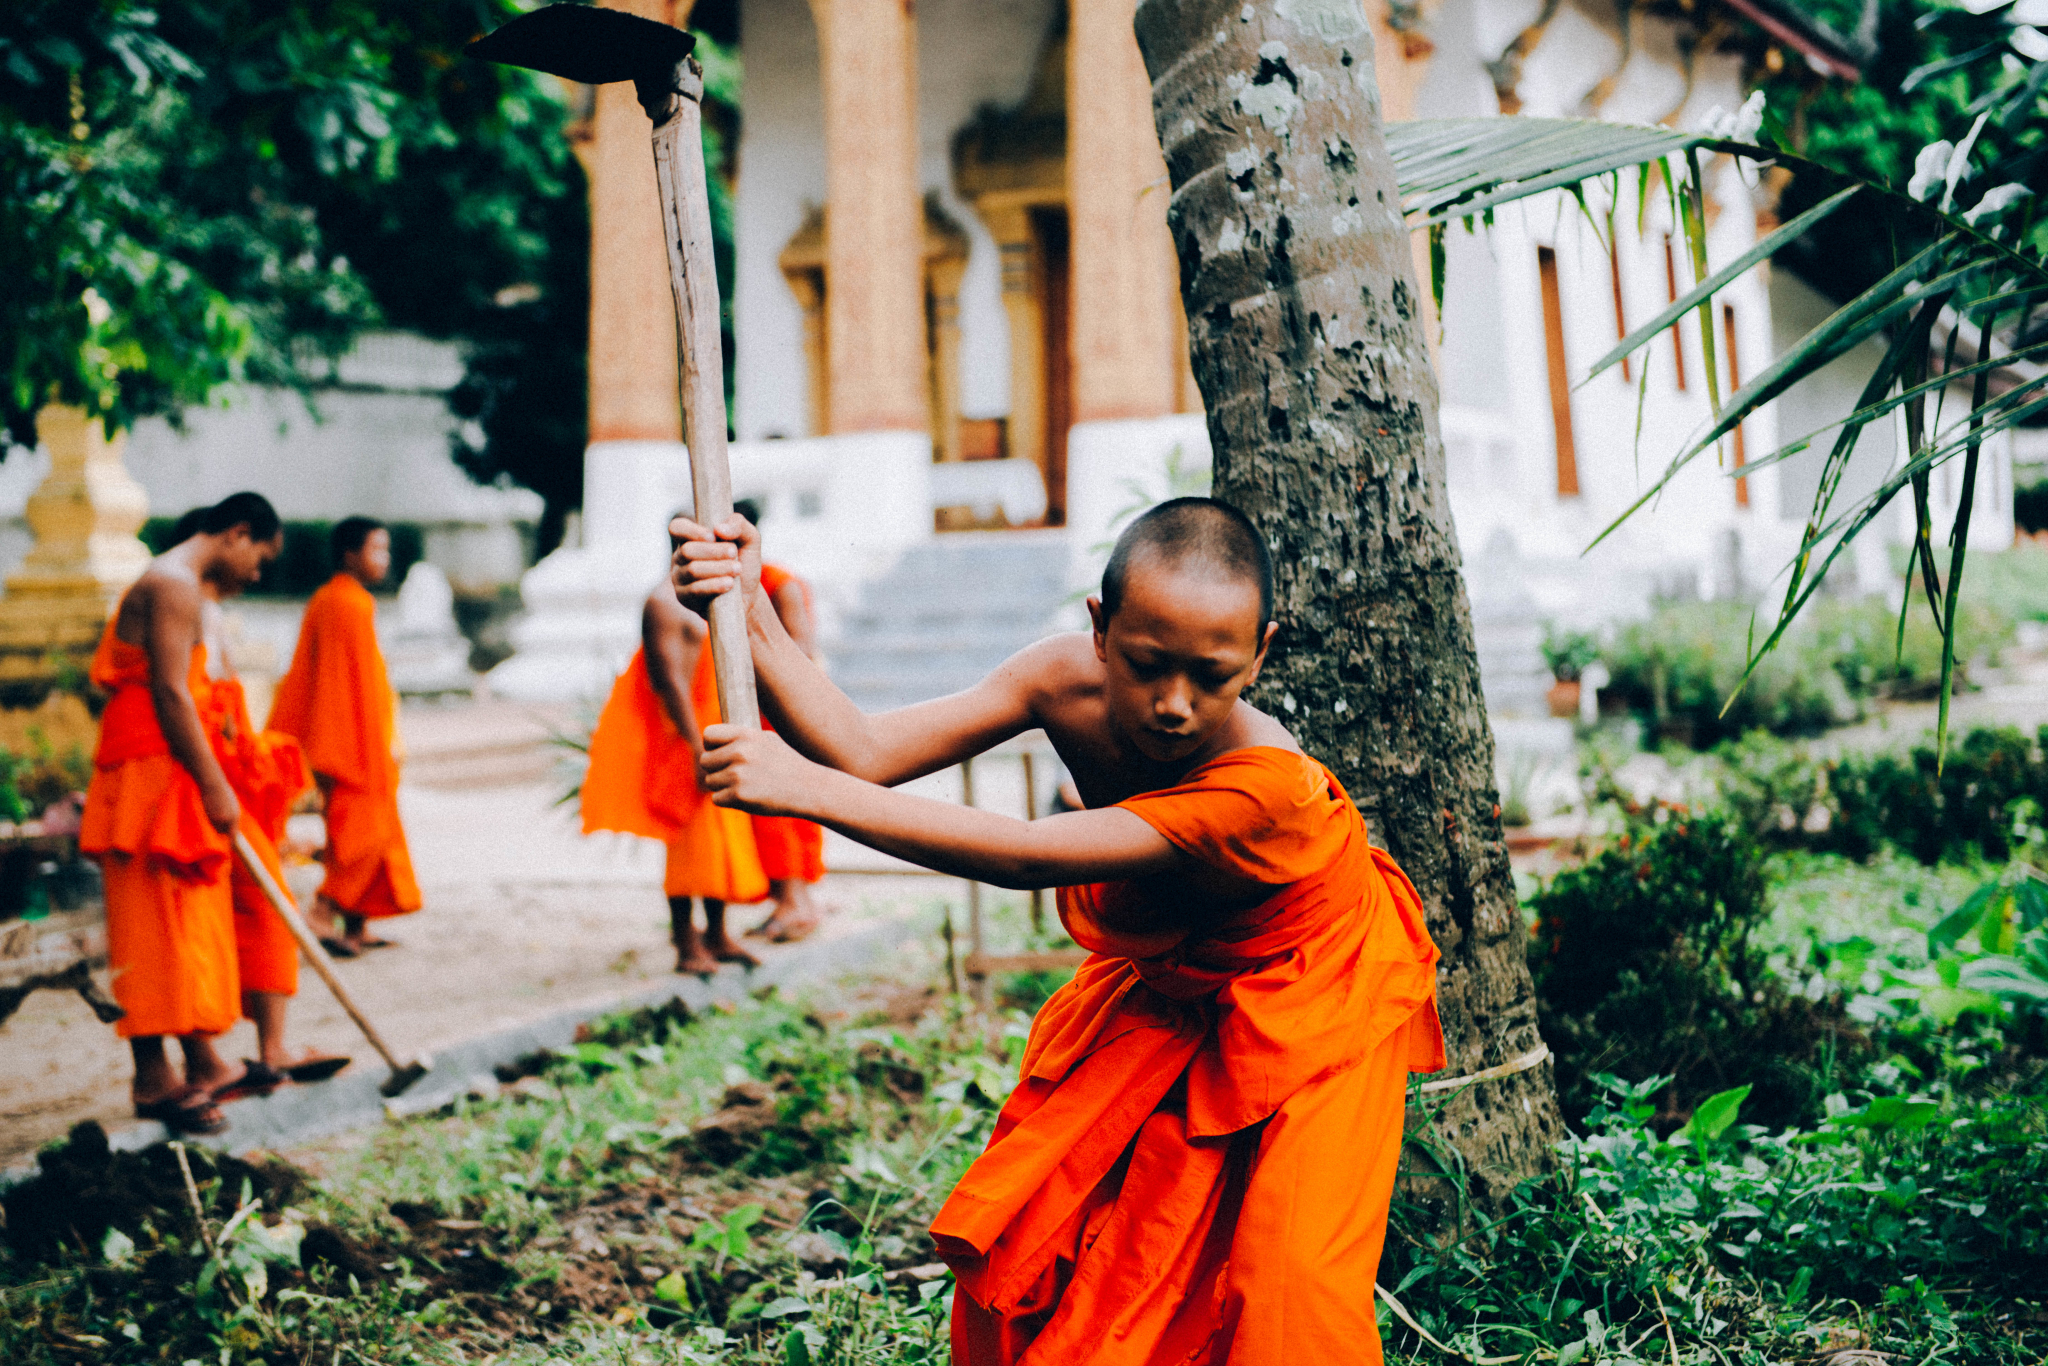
(194, 194)
(1963, 274)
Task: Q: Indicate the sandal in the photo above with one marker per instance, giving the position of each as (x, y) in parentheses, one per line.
(318, 1067)
(257, 1079)
(191, 1111)
(337, 948)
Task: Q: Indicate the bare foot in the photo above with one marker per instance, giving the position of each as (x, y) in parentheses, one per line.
(725, 951)
(695, 960)
(790, 929)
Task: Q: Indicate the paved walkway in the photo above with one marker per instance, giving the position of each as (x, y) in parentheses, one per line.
(525, 918)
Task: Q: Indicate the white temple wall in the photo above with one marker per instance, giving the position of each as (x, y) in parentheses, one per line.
(782, 174)
(969, 53)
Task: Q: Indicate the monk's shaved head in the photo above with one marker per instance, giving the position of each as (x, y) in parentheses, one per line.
(1193, 535)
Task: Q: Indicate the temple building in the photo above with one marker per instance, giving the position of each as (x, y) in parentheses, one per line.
(961, 356)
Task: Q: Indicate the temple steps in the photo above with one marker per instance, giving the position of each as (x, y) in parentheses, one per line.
(947, 613)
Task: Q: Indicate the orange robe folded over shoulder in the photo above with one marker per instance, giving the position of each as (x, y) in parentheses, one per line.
(170, 919)
(336, 700)
(268, 771)
(792, 850)
(1197, 1164)
(642, 780)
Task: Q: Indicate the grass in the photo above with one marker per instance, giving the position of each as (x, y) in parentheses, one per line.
(753, 1186)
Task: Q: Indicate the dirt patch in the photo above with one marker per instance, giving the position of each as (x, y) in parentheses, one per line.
(83, 1189)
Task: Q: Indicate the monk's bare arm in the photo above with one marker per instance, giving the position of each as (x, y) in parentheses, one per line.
(810, 711)
(793, 610)
(171, 632)
(758, 772)
(670, 640)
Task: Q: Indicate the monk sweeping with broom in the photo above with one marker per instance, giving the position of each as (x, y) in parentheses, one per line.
(1197, 1164)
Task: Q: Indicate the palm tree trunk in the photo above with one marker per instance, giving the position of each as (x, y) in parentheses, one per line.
(1305, 330)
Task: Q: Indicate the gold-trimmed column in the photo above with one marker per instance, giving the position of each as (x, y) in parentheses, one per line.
(85, 515)
(874, 222)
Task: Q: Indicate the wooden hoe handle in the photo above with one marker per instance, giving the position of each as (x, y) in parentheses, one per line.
(693, 278)
(309, 944)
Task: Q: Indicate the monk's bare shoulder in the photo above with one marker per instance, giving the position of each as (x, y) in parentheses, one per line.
(167, 588)
(1253, 728)
(1055, 674)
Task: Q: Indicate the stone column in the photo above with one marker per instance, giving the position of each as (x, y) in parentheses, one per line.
(633, 383)
(874, 224)
(1125, 279)
(85, 515)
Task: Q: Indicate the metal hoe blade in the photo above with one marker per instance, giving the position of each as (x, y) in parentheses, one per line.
(588, 44)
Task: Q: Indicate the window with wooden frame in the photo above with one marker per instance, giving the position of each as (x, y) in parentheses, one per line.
(1560, 375)
(1734, 383)
(1671, 288)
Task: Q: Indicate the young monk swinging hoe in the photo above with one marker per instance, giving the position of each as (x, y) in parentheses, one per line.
(1197, 1164)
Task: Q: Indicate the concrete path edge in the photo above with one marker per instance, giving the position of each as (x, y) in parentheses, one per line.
(299, 1114)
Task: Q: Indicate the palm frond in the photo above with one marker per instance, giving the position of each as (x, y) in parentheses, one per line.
(1955, 271)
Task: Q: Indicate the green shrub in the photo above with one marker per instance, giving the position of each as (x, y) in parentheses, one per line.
(1644, 965)
(1680, 668)
(1567, 653)
(1956, 810)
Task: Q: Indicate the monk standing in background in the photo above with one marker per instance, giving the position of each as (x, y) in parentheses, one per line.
(159, 811)
(337, 700)
(792, 851)
(1197, 1164)
(643, 780)
(268, 772)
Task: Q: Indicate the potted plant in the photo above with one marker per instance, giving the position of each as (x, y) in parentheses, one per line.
(1567, 653)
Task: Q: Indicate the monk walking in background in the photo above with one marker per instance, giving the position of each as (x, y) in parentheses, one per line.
(643, 780)
(337, 701)
(792, 851)
(159, 811)
(1197, 1164)
(268, 772)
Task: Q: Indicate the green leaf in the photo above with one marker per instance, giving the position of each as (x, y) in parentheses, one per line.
(674, 1289)
(1949, 931)
(784, 1306)
(1889, 1114)
(795, 1351)
(1713, 1116)
(1721, 279)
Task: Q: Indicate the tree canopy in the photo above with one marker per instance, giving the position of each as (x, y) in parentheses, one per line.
(195, 193)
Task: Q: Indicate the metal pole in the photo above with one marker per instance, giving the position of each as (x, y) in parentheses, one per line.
(1031, 814)
(977, 979)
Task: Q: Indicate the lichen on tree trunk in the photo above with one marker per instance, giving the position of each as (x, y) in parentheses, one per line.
(1304, 329)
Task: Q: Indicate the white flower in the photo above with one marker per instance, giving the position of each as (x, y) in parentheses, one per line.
(2030, 43)
(1930, 169)
(1996, 201)
(2030, 12)
(97, 310)
(1741, 126)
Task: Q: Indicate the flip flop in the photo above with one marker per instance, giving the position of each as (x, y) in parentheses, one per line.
(188, 1112)
(315, 1068)
(368, 944)
(257, 1079)
(338, 948)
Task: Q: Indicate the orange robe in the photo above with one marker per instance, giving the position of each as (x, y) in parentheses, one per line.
(337, 701)
(268, 771)
(642, 780)
(1197, 1164)
(792, 850)
(170, 918)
